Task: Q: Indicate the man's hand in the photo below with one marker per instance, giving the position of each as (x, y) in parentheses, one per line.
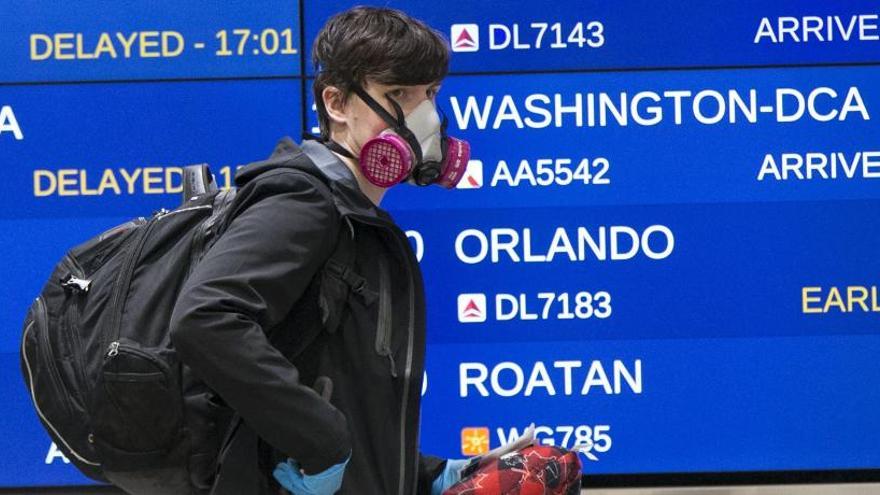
(291, 477)
(456, 467)
(450, 476)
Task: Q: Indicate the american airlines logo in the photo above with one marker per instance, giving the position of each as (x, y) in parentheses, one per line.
(472, 308)
(465, 37)
(473, 176)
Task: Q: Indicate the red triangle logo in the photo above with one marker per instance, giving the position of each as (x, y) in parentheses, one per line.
(472, 309)
(464, 37)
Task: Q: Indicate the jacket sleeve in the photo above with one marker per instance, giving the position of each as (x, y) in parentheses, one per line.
(246, 284)
(429, 468)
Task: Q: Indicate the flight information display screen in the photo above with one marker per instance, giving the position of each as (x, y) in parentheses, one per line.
(665, 248)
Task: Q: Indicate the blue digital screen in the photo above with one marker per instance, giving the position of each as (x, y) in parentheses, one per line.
(665, 245)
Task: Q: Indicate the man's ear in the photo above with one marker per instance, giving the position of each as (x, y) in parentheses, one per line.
(334, 103)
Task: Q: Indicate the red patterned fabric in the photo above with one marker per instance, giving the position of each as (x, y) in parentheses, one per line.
(534, 470)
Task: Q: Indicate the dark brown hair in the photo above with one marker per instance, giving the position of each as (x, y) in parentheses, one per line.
(382, 44)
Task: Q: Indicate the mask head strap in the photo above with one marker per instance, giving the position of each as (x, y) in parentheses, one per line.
(398, 124)
(338, 148)
(330, 144)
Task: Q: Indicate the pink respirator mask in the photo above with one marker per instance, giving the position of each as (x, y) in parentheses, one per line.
(414, 148)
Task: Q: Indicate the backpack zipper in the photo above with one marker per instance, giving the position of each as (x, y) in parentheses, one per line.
(124, 279)
(115, 346)
(127, 269)
(77, 274)
(46, 345)
(56, 381)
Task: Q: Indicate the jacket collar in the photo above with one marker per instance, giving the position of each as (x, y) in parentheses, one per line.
(329, 164)
(346, 192)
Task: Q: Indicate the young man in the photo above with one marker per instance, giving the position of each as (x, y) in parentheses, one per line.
(266, 282)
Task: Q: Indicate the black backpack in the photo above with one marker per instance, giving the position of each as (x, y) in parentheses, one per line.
(96, 353)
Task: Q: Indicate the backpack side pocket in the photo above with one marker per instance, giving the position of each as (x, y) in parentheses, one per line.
(138, 409)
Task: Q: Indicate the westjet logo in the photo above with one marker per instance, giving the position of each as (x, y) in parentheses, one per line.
(474, 440)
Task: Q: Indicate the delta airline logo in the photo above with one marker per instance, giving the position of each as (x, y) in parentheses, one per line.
(472, 308)
(465, 37)
(473, 176)
(474, 441)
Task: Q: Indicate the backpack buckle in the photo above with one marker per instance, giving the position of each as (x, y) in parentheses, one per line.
(358, 286)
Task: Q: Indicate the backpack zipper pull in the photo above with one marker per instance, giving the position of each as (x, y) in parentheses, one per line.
(113, 350)
(76, 284)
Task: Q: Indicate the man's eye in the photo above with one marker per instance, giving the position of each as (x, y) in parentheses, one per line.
(397, 93)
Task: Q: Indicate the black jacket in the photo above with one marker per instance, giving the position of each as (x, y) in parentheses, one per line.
(251, 296)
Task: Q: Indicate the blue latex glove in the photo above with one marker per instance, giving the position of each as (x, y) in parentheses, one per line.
(450, 476)
(326, 482)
